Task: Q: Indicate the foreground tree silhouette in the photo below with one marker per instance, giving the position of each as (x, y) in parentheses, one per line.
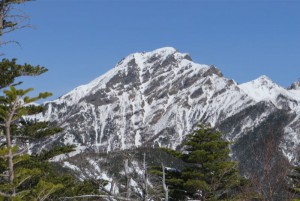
(211, 175)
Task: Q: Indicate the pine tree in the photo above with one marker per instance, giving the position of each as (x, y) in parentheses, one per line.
(18, 173)
(23, 176)
(211, 174)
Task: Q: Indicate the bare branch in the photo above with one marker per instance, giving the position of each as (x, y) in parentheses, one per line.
(11, 19)
(4, 194)
(4, 175)
(98, 196)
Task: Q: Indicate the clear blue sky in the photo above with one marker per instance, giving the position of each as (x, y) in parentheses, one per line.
(79, 40)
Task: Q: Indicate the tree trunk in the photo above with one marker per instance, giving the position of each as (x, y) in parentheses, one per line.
(1, 19)
(127, 177)
(145, 178)
(165, 187)
(10, 156)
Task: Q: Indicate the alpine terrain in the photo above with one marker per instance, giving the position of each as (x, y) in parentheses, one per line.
(154, 99)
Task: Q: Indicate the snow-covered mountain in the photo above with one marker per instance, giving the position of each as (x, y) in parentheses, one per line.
(157, 98)
(295, 85)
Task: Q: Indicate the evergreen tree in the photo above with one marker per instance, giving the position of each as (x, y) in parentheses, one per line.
(295, 177)
(24, 176)
(211, 174)
(18, 173)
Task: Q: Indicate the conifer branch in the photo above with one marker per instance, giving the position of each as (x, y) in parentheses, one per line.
(20, 153)
(22, 181)
(47, 194)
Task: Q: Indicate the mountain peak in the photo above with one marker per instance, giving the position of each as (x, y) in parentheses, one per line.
(162, 55)
(164, 50)
(262, 89)
(295, 85)
(263, 80)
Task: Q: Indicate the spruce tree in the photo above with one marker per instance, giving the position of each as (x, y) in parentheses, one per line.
(211, 174)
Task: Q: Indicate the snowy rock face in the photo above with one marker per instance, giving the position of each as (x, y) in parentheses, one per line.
(157, 98)
(295, 85)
